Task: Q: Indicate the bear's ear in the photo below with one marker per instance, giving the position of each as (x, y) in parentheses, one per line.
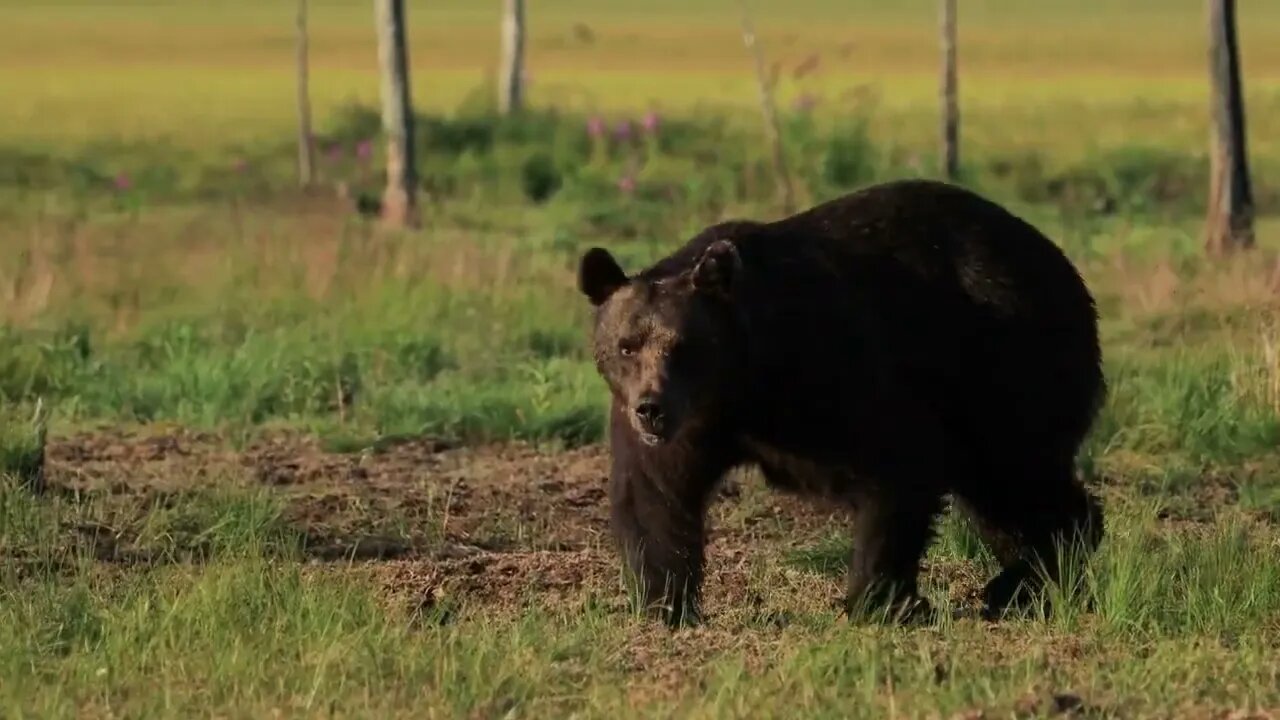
(599, 275)
(718, 268)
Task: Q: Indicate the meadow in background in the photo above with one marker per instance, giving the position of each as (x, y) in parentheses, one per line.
(245, 383)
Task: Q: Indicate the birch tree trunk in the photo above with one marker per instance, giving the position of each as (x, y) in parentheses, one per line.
(1229, 224)
(306, 150)
(511, 80)
(948, 93)
(399, 204)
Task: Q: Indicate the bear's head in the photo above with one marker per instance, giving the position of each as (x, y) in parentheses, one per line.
(669, 347)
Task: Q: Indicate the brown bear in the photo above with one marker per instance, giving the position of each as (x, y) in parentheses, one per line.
(886, 349)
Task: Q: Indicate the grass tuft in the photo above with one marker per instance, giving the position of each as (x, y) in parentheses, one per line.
(23, 434)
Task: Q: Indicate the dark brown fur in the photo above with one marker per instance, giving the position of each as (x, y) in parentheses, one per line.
(884, 349)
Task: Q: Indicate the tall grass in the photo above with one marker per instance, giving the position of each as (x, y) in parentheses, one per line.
(23, 433)
(213, 320)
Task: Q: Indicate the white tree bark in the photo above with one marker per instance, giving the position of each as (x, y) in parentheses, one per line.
(399, 204)
(947, 92)
(306, 151)
(511, 80)
(1229, 224)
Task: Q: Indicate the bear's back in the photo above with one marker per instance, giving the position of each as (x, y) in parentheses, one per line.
(964, 301)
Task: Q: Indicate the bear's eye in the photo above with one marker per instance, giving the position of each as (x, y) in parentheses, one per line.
(628, 347)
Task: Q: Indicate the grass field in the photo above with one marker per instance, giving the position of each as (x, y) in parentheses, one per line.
(290, 465)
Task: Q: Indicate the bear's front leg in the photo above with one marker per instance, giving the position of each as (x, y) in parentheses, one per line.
(892, 530)
(659, 526)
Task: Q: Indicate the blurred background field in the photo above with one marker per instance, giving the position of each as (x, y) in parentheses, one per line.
(88, 82)
(184, 70)
(161, 274)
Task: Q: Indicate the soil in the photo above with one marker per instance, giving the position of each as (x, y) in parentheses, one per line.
(490, 524)
(435, 524)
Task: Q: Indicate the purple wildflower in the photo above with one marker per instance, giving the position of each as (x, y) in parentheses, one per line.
(595, 126)
(123, 182)
(806, 102)
(364, 150)
(807, 66)
(623, 130)
(651, 121)
(627, 184)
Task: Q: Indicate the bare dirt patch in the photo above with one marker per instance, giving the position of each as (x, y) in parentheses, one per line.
(495, 524)
(500, 525)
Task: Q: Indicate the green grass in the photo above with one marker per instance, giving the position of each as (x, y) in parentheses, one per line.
(475, 335)
(248, 630)
(215, 612)
(22, 444)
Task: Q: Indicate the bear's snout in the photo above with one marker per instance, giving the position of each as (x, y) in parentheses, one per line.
(650, 418)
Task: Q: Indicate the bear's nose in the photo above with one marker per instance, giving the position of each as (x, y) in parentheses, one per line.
(649, 411)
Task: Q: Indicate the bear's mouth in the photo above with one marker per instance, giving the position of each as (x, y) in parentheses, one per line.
(650, 439)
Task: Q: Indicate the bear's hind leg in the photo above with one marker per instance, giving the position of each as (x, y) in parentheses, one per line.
(892, 529)
(1030, 520)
